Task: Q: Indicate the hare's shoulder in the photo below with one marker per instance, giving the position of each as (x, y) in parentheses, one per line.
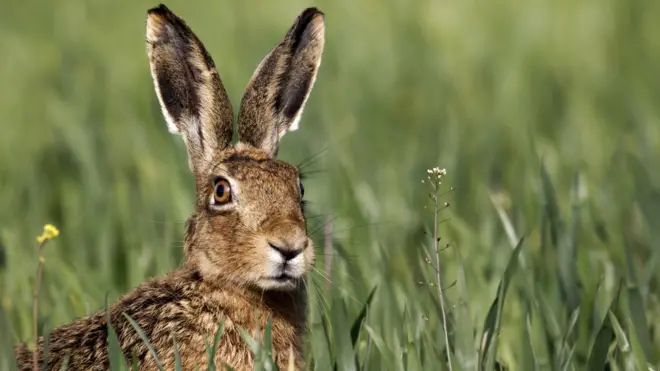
(179, 303)
(184, 308)
(161, 307)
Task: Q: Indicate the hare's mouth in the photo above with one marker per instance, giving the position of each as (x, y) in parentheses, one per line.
(281, 281)
(282, 278)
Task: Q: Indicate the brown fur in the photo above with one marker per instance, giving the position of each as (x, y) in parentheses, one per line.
(233, 251)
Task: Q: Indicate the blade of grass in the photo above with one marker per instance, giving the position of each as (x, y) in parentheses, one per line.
(463, 337)
(638, 352)
(65, 364)
(387, 356)
(345, 354)
(115, 354)
(567, 253)
(251, 342)
(585, 326)
(566, 342)
(7, 356)
(357, 323)
(216, 340)
(267, 345)
(636, 309)
(566, 366)
(600, 349)
(491, 327)
(367, 353)
(529, 355)
(134, 363)
(620, 334)
(326, 349)
(46, 349)
(144, 338)
(550, 204)
(177, 354)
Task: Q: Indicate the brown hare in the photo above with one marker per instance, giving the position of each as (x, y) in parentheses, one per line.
(247, 252)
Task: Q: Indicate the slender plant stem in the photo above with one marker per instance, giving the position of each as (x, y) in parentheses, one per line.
(35, 307)
(328, 248)
(438, 276)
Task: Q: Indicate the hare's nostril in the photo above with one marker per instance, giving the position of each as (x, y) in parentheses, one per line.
(287, 253)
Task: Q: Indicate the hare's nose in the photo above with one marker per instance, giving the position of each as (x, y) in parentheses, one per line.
(288, 252)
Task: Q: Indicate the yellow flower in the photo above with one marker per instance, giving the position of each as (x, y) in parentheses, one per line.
(50, 232)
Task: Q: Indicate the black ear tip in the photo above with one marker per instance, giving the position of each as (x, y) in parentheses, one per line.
(309, 14)
(313, 10)
(310, 19)
(161, 15)
(161, 9)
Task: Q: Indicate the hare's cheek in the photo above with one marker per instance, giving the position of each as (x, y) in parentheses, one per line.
(310, 257)
(310, 254)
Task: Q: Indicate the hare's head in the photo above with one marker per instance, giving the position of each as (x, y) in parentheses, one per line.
(248, 227)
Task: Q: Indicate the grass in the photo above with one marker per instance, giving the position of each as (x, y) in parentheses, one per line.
(544, 113)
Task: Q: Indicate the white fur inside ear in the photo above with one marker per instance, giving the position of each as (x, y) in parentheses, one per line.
(171, 127)
(293, 126)
(295, 123)
(170, 123)
(154, 28)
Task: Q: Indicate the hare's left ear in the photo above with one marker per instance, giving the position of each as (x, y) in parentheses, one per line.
(276, 95)
(191, 94)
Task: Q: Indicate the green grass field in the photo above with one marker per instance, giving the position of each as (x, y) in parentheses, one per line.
(546, 115)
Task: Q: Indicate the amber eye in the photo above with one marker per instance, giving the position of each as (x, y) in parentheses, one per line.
(221, 192)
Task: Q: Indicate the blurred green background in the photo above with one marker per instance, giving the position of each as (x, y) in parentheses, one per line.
(493, 91)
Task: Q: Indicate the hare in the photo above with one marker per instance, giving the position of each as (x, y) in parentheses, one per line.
(247, 251)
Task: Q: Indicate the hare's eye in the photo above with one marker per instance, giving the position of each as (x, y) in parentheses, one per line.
(221, 191)
(302, 190)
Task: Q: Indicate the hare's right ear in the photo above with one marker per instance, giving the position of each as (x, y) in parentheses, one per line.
(189, 89)
(278, 90)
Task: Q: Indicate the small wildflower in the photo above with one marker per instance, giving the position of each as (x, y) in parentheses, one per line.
(435, 176)
(50, 232)
(437, 172)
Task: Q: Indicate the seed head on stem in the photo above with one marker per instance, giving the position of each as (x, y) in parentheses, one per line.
(434, 179)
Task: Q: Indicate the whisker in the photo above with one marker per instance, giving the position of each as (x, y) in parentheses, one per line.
(356, 226)
(315, 216)
(322, 225)
(320, 298)
(307, 173)
(311, 158)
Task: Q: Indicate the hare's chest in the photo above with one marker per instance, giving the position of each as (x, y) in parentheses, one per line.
(236, 335)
